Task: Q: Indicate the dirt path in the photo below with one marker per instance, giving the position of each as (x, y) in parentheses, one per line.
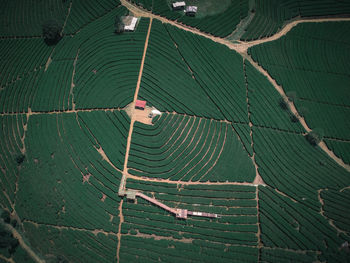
(93, 231)
(125, 170)
(240, 47)
(18, 236)
(30, 113)
(168, 181)
(121, 220)
(292, 108)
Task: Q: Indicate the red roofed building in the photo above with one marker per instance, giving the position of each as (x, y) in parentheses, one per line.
(140, 104)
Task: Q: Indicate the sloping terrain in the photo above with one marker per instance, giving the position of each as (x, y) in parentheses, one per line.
(76, 157)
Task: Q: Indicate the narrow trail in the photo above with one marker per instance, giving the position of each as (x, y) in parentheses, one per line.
(158, 180)
(72, 85)
(241, 46)
(132, 121)
(92, 231)
(30, 112)
(125, 170)
(18, 236)
(293, 109)
(119, 235)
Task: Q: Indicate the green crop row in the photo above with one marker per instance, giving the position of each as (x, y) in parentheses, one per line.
(271, 15)
(135, 249)
(108, 64)
(86, 11)
(218, 70)
(292, 225)
(219, 24)
(65, 176)
(336, 206)
(11, 157)
(182, 93)
(340, 148)
(264, 103)
(289, 163)
(25, 18)
(19, 57)
(189, 149)
(68, 245)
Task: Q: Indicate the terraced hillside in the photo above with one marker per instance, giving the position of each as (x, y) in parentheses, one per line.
(87, 177)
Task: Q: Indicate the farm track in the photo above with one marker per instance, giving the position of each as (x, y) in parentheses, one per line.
(92, 231)
(242, 48)
(18, 236)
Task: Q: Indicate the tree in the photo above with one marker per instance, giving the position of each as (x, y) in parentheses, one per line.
(118, 25)
(51, 32)
(314, 137)
(283, 104)
(20, 158)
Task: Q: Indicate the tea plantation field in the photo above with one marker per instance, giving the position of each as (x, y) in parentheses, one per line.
(226, 141)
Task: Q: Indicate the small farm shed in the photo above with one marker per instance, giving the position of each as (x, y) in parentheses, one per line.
(179, 5)
(129, 23)
(191, 10)
(140, 104)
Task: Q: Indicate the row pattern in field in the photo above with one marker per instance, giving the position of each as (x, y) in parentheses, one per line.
(185, 148)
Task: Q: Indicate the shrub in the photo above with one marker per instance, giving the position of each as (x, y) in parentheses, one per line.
(118, 25)
(20, 158)
(283, 104)
(51, 32)
(314, 137)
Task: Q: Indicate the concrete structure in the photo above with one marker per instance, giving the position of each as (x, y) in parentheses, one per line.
(140, 104)
(179, 5)
(179, 213)
(129, 23)
(191, 10)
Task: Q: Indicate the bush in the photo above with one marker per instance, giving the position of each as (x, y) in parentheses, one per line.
(314, 137)
(20, 158)
(118, 25)
(293, 118)
(51, 32)
(283, 104)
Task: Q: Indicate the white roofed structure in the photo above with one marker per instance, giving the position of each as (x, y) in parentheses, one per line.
(129, 22)
(179, 5)
(191, 10)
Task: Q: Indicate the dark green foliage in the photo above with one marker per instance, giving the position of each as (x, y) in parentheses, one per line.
(51, 32)
(7, 241)
(283, 104)
(5, 215)
(20, 158)
(118, 25)
(314, 137)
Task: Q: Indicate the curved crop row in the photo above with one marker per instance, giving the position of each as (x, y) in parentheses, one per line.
(218, 70)
(21, 56)
(237, 225)
(340, 148)
(189, 149)
(291, 225)
(220, 24)
(65, 175)
(25, 18)
(271, 15)
(335, 207)
(85, 11)
(264, 102)
(68, 245)
(11, 158)
(167, 81)
(311, 63)
(108, 65)
(290, 164)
